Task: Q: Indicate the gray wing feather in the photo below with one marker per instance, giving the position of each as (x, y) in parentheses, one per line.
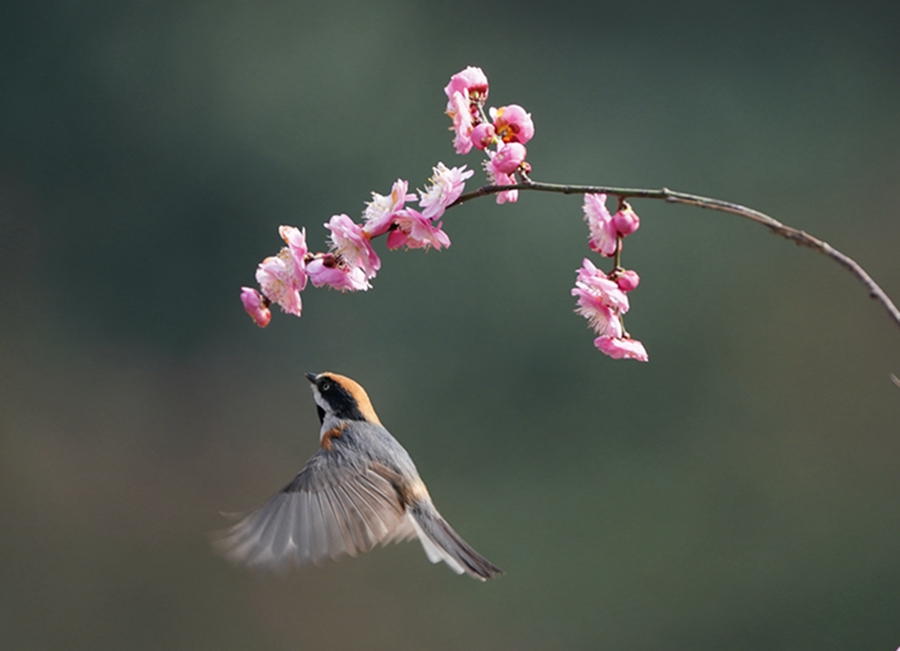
(355, 524)
(331, 508)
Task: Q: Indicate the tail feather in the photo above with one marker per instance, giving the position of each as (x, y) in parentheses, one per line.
(442, 543)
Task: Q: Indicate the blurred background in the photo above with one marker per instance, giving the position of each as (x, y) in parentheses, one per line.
(740, 491)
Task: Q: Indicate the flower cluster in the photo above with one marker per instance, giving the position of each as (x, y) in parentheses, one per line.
(502, 136)
(602, 298)
(351, 262)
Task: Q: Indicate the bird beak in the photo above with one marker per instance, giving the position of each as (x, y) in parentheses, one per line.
(311, 377)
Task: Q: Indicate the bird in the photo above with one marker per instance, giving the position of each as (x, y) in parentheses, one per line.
(360, 489)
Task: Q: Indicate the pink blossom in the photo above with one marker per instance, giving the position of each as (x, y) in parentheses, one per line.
(600, 300)
(277, 279)
(256, 306)
(507, 158)
(497, 177)
(466, 92)
(601, 319)
(326, 271)
(625, 221)
(602, 234)
(621, 348)
(628, 280)
(593, 280)
(352, 245)
(471, 81)
(415, 231)
(446, 187)
(379, 213)
(483, 135)
(296, 241)
(513, 123)
(459, 110)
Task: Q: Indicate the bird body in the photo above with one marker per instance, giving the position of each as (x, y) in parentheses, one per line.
(360, 489)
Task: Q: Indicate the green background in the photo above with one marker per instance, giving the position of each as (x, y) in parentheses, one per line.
(740, 491)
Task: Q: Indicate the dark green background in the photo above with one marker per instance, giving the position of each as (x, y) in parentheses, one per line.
(740, 491)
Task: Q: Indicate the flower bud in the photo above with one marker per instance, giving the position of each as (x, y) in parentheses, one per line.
(256, 306)
(626, 221)
(483, 135)
(628, 280)
(508, 157)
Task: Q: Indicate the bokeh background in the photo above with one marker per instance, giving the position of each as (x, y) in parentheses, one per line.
(740, 491)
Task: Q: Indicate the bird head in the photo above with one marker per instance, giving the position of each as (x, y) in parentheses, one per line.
(341, 398)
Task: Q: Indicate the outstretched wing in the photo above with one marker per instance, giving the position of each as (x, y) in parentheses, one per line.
(331, 508)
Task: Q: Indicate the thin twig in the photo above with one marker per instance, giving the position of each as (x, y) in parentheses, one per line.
(799, 237)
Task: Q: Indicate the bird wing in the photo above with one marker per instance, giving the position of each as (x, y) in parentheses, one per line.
(332, 507)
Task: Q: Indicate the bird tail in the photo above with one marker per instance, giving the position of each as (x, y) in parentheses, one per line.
(442, 543)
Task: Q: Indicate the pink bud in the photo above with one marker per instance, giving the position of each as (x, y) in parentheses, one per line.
(628, 280)
(256, 306)
(626, 221)
(483, 135)
(508, 157)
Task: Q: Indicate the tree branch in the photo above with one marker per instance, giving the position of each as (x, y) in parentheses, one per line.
(799, 237)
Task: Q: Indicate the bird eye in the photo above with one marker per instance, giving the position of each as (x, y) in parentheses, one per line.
(325, 386)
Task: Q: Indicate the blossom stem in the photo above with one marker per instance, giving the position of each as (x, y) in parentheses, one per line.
(799, 237)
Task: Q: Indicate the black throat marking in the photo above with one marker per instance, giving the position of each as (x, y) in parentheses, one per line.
(342, 403)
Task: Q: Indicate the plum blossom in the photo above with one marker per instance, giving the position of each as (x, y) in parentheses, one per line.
(466, 94)
(601, 319)
(621, 348)
(507, 159)
(277, 278)
(499, 178)
(600, 300)
(472, 81)
(326, 270)
(415, 231)
(500, 167)
(602, 237)
(296, 241)
(446, 186)
(463, 123)
(513, 123)
(352, 245)
(379, 213)
(256, 306)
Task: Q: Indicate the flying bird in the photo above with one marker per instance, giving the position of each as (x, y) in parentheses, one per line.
(359, 490)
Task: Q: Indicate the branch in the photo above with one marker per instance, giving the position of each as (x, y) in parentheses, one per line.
(799, 237)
